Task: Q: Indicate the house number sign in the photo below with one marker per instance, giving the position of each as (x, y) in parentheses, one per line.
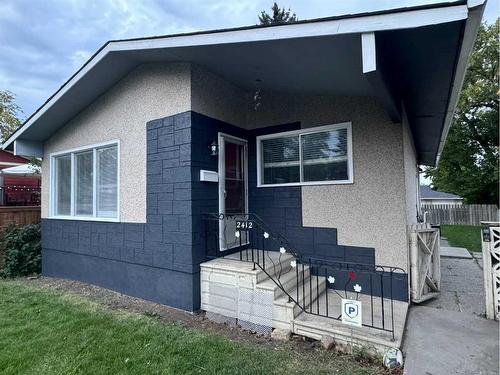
(244, 225)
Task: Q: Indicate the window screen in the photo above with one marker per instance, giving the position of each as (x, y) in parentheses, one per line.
(281, 160)
(63, 185)
(107, 181)
(84, 183)
(307, 156)
(324, 156)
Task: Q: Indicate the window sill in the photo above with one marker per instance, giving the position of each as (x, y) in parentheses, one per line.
(312, 183)
(86, 218)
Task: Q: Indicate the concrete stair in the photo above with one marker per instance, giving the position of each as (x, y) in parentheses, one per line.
(233, 289)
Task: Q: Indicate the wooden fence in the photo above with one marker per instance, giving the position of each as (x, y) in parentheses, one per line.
(467, 214)
(20, 215)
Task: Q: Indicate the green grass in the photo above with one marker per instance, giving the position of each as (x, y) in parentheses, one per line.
(48, 332)
(468, 236)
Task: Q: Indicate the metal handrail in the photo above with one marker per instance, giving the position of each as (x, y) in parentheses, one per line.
(308, 270)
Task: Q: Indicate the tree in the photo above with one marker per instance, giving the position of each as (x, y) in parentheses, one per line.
(469, 162)
(9, 112)
(279, 16)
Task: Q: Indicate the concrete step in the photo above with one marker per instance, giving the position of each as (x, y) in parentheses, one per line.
(233, 289)
(287, 280)
(305, 298)
(275, 263)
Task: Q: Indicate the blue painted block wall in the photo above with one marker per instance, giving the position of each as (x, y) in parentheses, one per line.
(153, 260)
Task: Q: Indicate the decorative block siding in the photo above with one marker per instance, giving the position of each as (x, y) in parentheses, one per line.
(152, 260)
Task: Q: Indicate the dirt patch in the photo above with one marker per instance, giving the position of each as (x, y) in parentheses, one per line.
(116, 301)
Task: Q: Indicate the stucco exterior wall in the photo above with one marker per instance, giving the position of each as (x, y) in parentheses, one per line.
(214, 96)
(411, 174)
(371, 212)
(149, 92)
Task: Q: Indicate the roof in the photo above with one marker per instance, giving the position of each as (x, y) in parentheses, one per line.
(21, 170)
(422, 52)
(426, 192)
(8, 158)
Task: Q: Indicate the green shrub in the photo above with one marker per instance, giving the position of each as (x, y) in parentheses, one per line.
(22, 250)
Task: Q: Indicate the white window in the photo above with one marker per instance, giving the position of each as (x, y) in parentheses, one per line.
(314, 156)
(84, 183)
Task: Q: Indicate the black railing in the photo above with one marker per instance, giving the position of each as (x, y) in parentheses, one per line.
(315, 285)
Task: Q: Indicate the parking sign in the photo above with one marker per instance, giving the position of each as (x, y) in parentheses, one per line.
(351, 312)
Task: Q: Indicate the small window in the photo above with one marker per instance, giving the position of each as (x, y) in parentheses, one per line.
(306, 157)
(85, 183)
(281, 160)
(63, 185)
(84, 168)
(107, 181)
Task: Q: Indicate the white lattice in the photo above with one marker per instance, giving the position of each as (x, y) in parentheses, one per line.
(495, 267)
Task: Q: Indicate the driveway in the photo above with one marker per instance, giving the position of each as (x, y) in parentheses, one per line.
(449, 335)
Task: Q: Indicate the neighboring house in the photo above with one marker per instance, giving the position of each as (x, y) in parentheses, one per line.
(17, 188)
(157, 149)
(430, 196)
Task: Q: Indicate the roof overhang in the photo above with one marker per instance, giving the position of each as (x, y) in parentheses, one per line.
(416, 56)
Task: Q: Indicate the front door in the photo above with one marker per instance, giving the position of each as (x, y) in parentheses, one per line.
(233, 189)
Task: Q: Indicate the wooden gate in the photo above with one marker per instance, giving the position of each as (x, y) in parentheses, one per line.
(425, 273)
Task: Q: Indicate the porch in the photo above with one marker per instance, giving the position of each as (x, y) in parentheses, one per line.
(260, 300)
(260, 289)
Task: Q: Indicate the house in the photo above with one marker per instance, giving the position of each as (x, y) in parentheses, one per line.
(17, 188)
(262, 174)
(430, 196)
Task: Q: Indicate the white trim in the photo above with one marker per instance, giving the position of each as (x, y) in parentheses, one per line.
(369, 52)
(368, 23)
(300, 132)
(72, 195)
(475, 3)
(362, 24)
(221, 137)
(13, 163)
(86, 218)
(92, 147)
(86, 147)
(94, 180)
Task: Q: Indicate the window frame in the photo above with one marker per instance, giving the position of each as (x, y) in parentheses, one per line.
(52, 196)
(300, 132)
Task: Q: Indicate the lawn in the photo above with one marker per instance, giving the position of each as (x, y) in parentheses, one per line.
(468, 236)
(49, 332)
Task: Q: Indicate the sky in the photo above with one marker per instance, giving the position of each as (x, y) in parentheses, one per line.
(43, 42)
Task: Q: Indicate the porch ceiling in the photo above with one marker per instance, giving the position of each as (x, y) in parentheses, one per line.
(418, 65)
(318, 65)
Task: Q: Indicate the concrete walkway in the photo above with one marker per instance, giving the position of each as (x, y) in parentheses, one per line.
(449, 335)
(441, 342)
(462, 288)
(455, 252)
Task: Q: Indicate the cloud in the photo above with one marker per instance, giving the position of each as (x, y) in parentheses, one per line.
(42, 43)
